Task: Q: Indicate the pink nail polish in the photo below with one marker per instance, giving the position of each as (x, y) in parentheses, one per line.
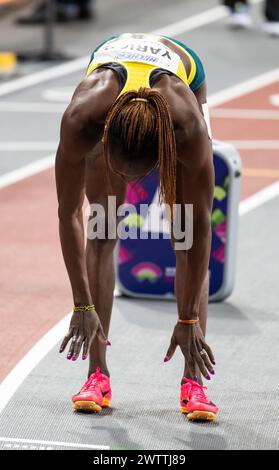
(83, 358)
(74, 358)
(108, 343)
(212, 372)
(208, 377)
(166, 359)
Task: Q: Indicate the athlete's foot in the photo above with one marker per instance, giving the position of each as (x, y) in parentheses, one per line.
(195, 404)
(94, 395)
(86, 13)
(271, 28)
(240, 17)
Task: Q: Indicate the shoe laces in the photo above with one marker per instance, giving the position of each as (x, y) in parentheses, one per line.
(196, 390)
(92, 382)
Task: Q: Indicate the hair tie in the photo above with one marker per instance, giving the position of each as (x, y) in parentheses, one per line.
(140, 99)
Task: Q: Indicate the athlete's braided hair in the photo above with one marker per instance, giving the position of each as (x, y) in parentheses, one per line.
(144, 125)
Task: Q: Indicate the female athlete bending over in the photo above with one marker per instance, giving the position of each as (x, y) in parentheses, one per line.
(141, 105)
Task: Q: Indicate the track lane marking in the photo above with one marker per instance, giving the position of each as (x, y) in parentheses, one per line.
(26, 171)
(23, 368)
(259, 199)
(237, 113)
(194, 22)
(235, 91)
(28, 146)
(260, 172)
(255, 144)
(179, 27)
(244, 87)
(53, 443)
(197, 21)
(31, 107)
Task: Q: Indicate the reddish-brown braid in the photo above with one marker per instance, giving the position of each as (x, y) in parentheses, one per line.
(139, 125)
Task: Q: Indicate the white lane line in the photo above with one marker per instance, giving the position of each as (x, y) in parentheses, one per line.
(255, 144)
(236, 113)
(48, 74)
(194, 22)
(216, 99)
(243, 88)
(26, 171)
(23, 368)
(59, 94)
(259, 199)
(197, 21)
(274, 100)
(53, 443)
(31, 107)
(179, 27)
(28, 146)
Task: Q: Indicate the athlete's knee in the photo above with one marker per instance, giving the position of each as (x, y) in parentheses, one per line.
(100, 244)
(179, 247)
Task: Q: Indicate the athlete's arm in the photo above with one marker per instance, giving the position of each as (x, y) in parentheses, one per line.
(198, 181)
(69, 169)
(195, 154)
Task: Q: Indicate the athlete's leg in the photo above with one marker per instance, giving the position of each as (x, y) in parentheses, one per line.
(233, 3)
(272, 10)
(99, 256)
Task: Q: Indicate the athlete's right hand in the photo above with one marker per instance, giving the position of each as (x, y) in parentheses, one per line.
(84, 327)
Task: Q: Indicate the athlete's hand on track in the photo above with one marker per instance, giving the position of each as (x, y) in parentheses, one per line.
(196, 351)
(84, 327)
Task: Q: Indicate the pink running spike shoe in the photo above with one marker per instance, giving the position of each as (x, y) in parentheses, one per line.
(94, 395)
(195, 403)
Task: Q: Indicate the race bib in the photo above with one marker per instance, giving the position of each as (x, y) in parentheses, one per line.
(145, 51)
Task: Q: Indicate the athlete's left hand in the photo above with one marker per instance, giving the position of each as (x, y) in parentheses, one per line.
(84, 327)
(196, 351)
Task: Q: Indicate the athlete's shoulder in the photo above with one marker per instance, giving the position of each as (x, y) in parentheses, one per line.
(194, 147)
(74, 142)
(92, 99)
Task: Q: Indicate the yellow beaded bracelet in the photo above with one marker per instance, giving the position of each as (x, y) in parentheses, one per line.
(83, 307)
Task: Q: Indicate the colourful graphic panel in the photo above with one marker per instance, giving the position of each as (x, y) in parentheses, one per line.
(147, 266)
